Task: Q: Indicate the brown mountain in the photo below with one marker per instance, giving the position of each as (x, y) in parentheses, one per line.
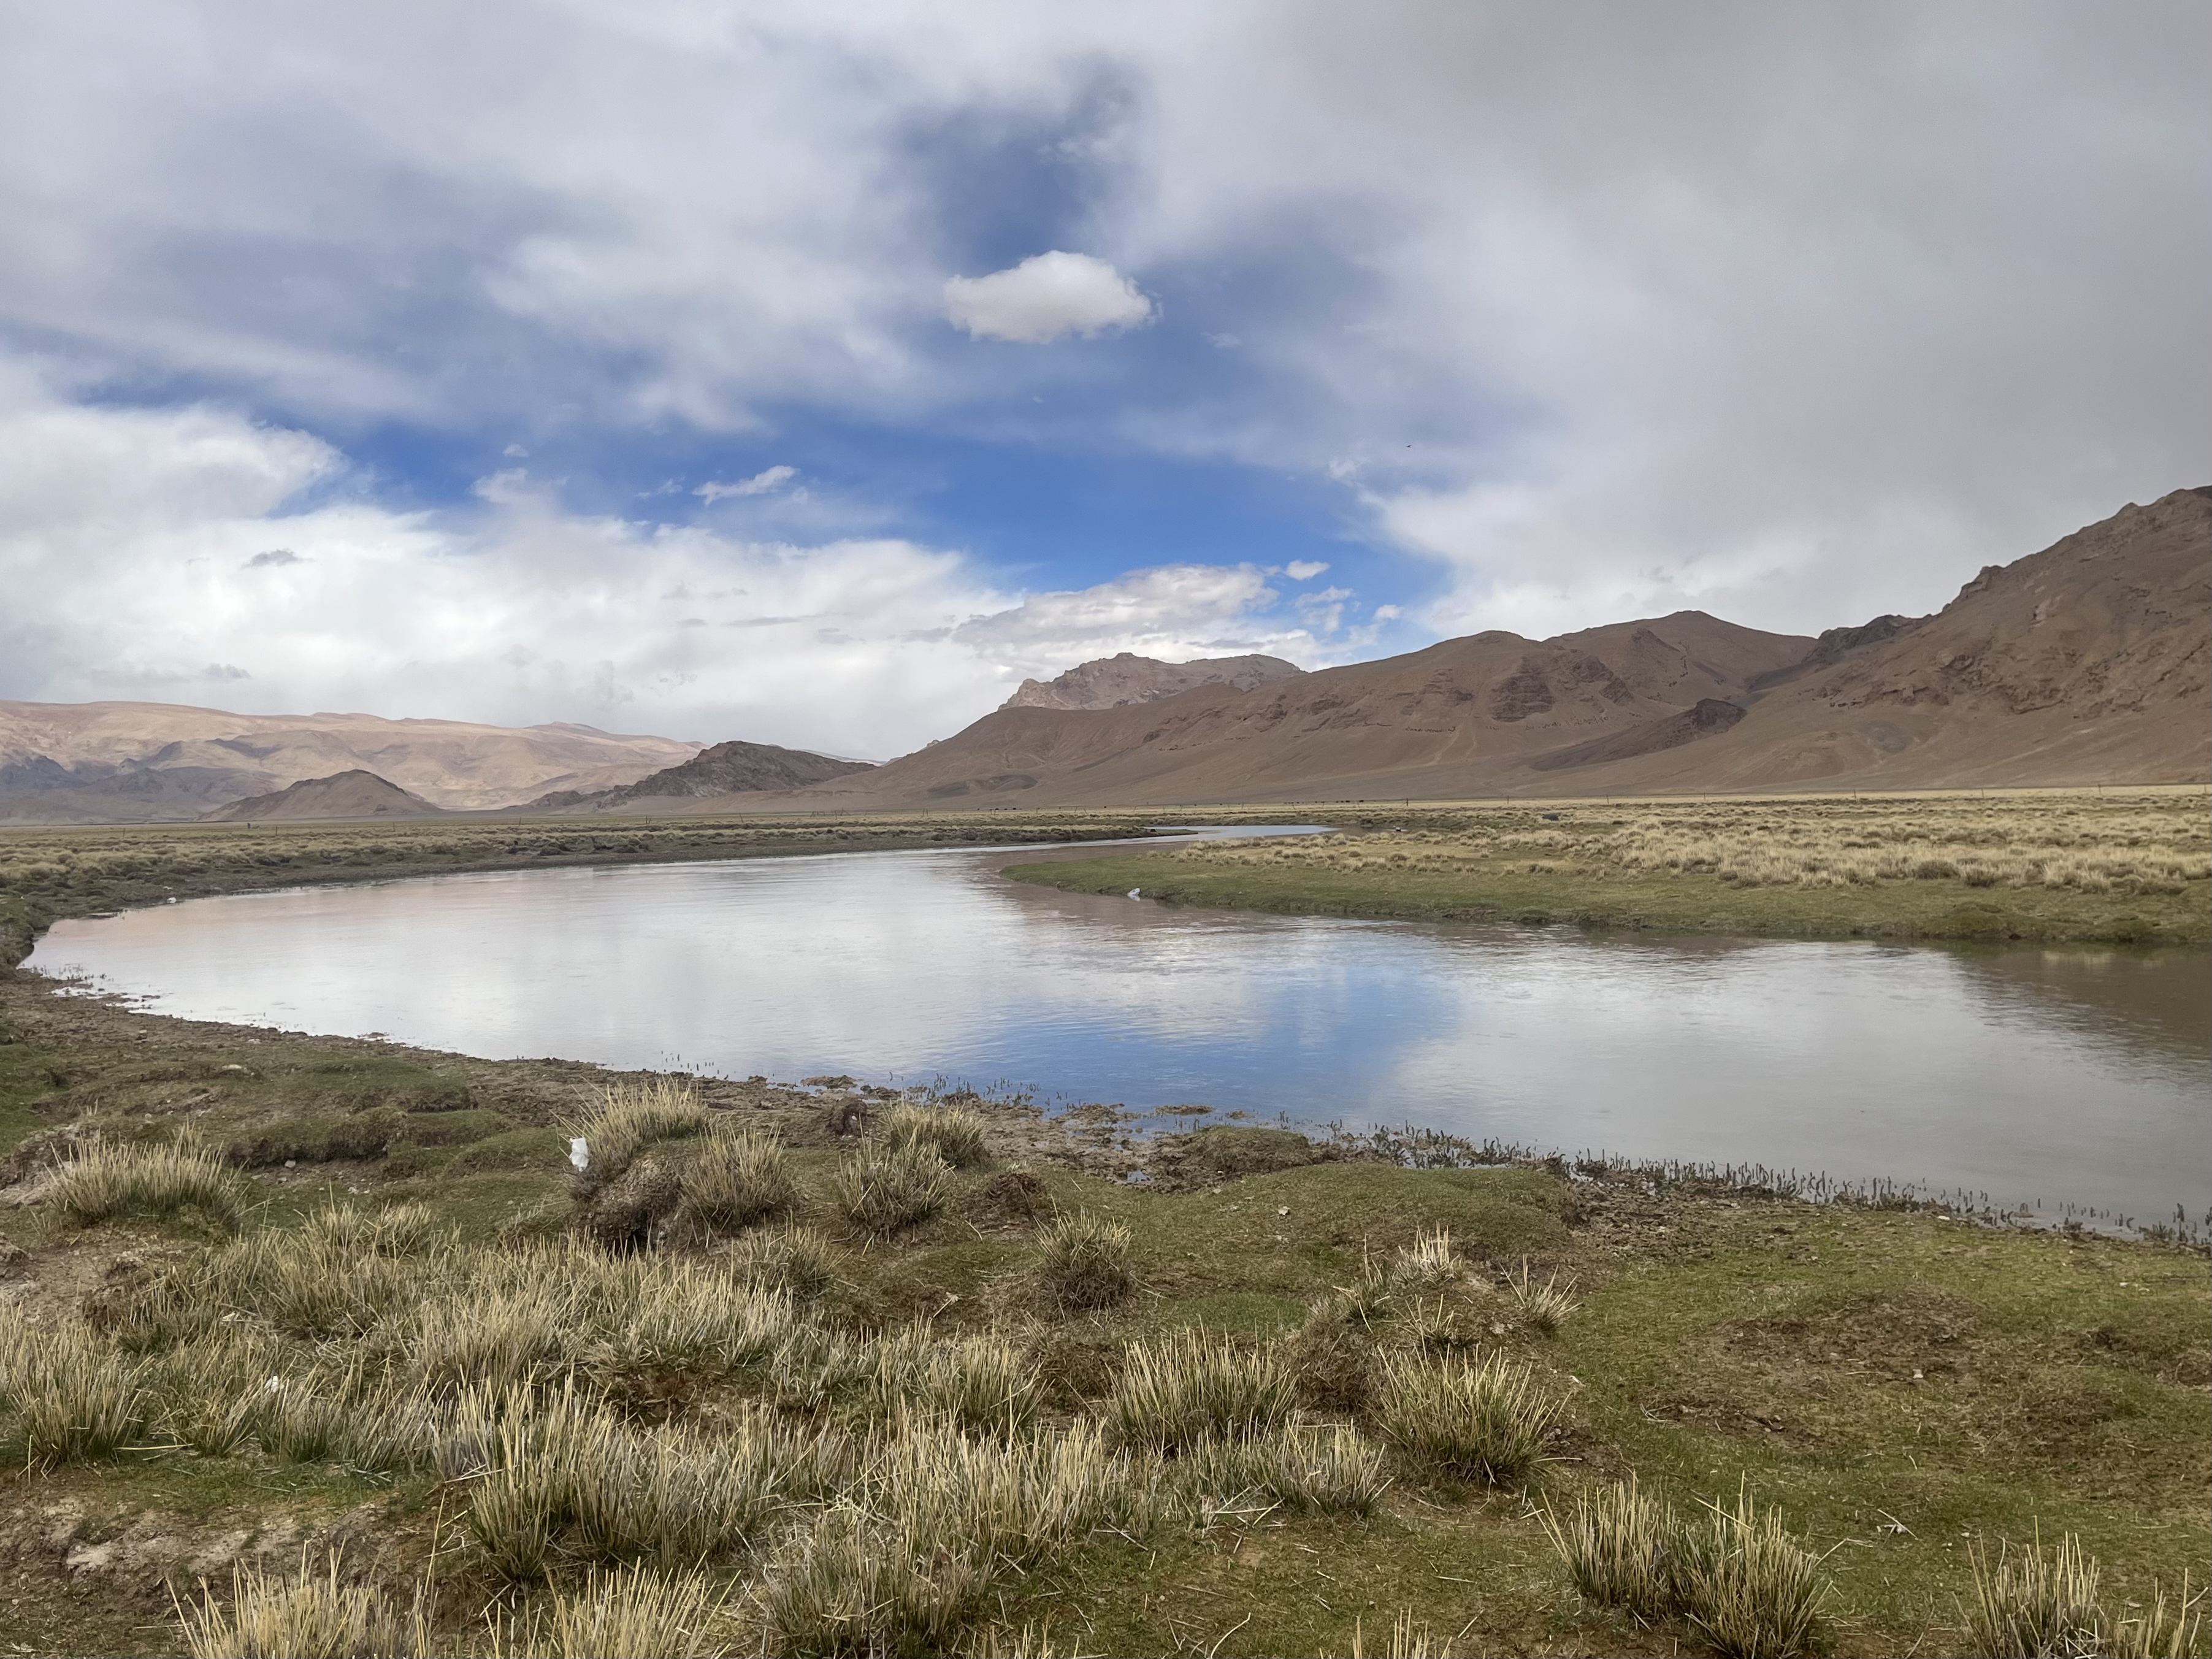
(2085, 663)
(2089, 662)
(346, 795)
(1445, 721)
(1125, 677)
(727, 768)
(105, 762)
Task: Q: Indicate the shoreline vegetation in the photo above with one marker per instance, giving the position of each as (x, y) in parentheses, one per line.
(2061, 867)
(325, 1343)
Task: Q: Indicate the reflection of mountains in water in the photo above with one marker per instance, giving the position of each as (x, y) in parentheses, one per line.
(2134, 1003)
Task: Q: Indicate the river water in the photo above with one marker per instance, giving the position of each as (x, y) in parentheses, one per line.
(2064, 1075)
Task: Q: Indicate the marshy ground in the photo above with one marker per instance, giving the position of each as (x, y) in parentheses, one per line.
(2114, 866)
(824, 1373)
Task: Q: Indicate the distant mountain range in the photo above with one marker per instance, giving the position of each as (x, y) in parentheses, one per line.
(124, 762)
(2089, 662)
(2086, 663)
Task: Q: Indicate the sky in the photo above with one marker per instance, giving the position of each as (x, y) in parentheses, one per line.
(814, 372)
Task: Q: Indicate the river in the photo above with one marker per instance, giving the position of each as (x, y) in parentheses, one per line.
(2061, 1075)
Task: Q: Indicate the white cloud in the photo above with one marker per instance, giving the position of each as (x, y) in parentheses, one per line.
(1804, 312)
(1173, 612)
(1046, 297)
(760, 484)
(1303, 570)
(135, 549)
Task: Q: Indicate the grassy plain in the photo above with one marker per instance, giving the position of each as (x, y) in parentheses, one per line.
(824, 1430)
(2109, 866)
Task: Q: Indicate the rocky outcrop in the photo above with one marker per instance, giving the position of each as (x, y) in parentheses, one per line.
(1124, 678)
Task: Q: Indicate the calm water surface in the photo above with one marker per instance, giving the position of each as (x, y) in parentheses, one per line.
(2066, 1075)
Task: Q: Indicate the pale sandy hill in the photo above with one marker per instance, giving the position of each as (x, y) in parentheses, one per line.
(1125, 677)
(133, 761)
(354, 795)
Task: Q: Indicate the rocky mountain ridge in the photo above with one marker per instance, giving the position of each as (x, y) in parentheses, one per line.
(1125, 677)
(2085, 663)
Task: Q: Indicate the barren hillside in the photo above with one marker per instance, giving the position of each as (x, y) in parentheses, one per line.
(2086, 663)
(139, 761)
(727, 768)
(347, 795)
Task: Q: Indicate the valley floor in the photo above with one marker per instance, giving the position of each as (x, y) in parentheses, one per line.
(827, 1369)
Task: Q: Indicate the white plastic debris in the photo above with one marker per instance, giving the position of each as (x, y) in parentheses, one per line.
(580, 1152)
(1136, 892)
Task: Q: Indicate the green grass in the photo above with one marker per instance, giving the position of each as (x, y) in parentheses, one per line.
(1607, 865)
(1659, 903)
(895, 1404)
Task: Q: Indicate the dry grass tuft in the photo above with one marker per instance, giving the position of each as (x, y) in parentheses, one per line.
(1490, 1422)
(1190, 1388)
(1409, 1638)
(953, 1133)
(630, 1614)
(984, 1384)
(1747, 1586)
(1545, 1306)
(566, 1477)
(494, 1339)
(887, 1189)
(1084, 1263)
(1735, 1575)
(736, 1180)
(630, 1116)
(797, 1261)
(912, 1553)
(2161, 1630)
(313, 1616)
(1618, 1546)
(2035, 1603)
(1330, 1470)
(66, 1396)
(107, 1179)
(1430, 1259)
